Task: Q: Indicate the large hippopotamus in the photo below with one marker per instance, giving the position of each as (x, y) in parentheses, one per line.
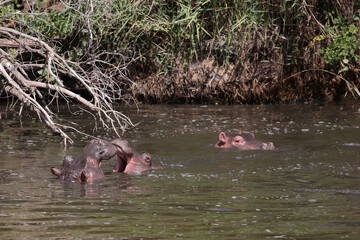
(227, 141)
(86, 167)
(130, 161)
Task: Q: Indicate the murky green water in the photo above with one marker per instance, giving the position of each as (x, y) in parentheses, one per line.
(307, 189)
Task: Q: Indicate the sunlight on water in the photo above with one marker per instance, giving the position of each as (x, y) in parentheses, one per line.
(308, 188)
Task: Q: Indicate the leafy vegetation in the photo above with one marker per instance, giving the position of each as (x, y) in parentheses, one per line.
(261, 42)
(344, 44)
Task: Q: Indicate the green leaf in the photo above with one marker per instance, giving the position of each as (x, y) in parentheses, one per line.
(344, 69)
(353, 29)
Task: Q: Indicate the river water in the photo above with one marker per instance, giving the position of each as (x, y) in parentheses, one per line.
(308, 188)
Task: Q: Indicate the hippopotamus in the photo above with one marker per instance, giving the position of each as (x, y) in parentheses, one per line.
(86, 167)
(130, 161)
(227, 141)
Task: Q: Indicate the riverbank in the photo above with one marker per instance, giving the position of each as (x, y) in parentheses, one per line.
(192, 51)
(264, 83)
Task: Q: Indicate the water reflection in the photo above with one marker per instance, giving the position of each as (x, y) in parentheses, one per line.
(75, 189)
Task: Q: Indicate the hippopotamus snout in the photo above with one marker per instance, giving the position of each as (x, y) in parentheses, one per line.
(130, 161)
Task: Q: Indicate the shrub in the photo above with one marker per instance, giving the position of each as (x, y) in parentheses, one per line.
(343, 38)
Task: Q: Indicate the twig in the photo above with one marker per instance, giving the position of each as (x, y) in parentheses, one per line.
(5, 2)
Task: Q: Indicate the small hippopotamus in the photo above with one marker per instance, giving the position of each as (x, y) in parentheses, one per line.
(227, 141)
(130, 161)
(86, 167)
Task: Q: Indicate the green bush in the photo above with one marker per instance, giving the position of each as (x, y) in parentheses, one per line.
(161, 31)
(156, 33)
(344, 44)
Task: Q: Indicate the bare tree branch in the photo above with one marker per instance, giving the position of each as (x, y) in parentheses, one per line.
(5, 2)
(17, 83)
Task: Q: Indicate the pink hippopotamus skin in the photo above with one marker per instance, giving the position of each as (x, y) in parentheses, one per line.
(130, 161)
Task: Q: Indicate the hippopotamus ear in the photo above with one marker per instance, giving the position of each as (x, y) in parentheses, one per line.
(147, 158)
(222, 137)
(239, 132)
(84, 176)
(56, 171)
(251, 136)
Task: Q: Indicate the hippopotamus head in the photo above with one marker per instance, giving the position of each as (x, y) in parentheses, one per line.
(130, 161)
(227, 141)
(86, 167)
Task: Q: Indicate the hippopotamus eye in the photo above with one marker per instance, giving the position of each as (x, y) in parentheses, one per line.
(239, 140)
(147, 158)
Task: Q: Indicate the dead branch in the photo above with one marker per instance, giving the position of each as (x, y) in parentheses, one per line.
(18, 84)
(14, 89)
(8, 43)
(5, 2)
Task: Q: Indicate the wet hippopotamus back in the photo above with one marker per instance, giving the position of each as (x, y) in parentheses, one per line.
(86, 167)
(237, 141)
